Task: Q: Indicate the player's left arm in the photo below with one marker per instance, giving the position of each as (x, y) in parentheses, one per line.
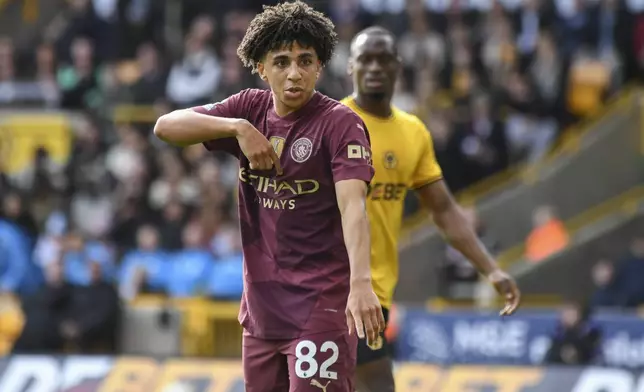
(457, 230)
(351, 167)
(351, 196)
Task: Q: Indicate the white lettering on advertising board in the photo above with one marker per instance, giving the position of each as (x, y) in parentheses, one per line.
(79, 369)
(429, 342)
(30, 374)
(608, 380)
(624, 350)
(47, 374)
(491, 338)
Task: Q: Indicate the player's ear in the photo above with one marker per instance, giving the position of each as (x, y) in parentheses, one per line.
(261, 71)
(350, 67)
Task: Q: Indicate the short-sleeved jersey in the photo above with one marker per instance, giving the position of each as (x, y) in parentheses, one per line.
(296, 267)
(403, 157)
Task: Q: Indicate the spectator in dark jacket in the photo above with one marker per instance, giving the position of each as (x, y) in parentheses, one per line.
(608, 292)
(629, 272)
(93, 323)
(576, 340)
(44, 313)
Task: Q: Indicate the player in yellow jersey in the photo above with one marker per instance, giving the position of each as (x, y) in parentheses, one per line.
(403, 156)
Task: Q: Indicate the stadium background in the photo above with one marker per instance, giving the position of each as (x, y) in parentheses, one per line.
(116, 248)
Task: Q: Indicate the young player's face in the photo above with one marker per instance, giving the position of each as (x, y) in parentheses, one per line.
(292, 72)
(374, 65)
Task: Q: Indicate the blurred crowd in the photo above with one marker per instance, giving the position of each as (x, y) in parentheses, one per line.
(618, 282)
(497, 82)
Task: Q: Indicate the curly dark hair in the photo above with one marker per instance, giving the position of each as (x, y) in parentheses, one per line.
(284, 24)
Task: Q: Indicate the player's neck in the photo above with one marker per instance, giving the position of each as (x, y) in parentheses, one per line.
(283, 110)
(375, 107)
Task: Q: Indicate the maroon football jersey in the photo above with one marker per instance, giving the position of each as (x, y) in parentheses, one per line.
(296, 267)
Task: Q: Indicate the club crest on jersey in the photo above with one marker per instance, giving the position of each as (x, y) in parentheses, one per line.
(390, 161)
(278, 145)
(301, 150)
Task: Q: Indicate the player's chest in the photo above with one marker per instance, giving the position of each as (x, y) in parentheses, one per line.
(393, 157)
(299, 148)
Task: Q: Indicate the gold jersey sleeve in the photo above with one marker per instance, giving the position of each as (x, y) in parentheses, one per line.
(428, 169)
(403, 158)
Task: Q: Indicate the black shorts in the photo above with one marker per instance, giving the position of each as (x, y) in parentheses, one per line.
(381, 349)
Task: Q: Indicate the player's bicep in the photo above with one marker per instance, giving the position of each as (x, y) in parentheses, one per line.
(427, 170)
(436, 197)
(350, 150)
(231, 107)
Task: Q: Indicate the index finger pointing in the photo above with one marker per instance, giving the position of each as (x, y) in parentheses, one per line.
(276, 162)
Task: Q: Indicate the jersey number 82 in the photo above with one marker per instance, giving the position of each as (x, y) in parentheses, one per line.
(305, 354)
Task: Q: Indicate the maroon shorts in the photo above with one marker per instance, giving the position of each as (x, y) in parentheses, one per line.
(323, 362)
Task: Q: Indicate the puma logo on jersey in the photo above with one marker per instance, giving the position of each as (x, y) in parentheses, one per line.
(317, 384)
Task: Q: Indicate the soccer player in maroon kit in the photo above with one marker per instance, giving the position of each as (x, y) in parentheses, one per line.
(305, 163)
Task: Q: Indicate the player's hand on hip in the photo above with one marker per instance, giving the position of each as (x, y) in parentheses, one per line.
(257, 148)
(507, 287)
(364, 313)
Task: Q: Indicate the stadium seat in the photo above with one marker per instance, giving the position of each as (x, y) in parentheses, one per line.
(588, 83)
(189, 271)
(226, 279)
(154, 263)
(25, 133)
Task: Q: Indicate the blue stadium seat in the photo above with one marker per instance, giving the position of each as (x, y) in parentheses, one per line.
(188, 269)
(153, 262)
(77, 264)
(17, 272)
(225, 280)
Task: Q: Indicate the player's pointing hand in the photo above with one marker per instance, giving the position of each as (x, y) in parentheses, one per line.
(257, 148)
(364, 314)
(505, 286)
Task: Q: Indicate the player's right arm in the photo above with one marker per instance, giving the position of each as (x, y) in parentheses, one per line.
(219, 126)
(186, 127)
(459, 233)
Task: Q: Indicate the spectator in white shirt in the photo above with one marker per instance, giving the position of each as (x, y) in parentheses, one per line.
(195, 78)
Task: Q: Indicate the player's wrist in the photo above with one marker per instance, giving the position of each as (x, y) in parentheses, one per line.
(239, 127)
(357, 281)
(492, 270)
